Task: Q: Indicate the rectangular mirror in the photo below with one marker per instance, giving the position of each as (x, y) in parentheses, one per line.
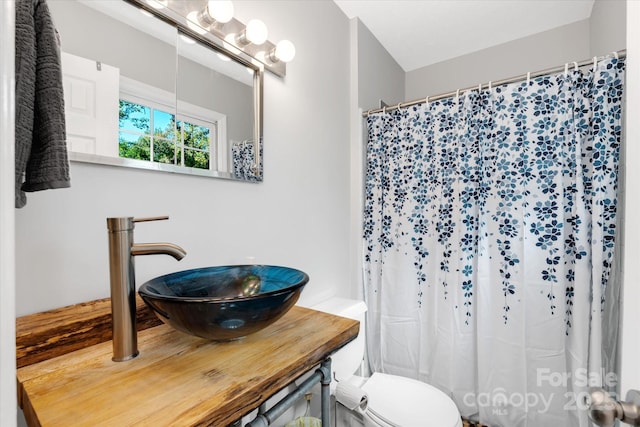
(145, 90)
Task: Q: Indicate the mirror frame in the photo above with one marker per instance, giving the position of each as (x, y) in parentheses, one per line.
(179, 22)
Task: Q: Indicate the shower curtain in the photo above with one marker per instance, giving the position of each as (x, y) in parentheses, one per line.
(243, 159)
(489, 236)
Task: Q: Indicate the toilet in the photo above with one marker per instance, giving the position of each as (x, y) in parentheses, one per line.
(393, 401)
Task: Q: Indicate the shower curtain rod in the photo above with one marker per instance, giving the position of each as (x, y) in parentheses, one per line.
(621, 54)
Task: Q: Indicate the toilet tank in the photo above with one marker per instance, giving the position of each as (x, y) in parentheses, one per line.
(346, 361)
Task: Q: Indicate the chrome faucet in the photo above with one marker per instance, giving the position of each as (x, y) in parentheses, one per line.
(123, 281)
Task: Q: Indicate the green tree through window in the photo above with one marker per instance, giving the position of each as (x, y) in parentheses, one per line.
(181, 143)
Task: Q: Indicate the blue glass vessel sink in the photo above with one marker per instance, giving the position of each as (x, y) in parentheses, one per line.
(226, 302)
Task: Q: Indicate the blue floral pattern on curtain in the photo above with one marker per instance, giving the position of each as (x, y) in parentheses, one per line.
(489, 230)
(244, 161)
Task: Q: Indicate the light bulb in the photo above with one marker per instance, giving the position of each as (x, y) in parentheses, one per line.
(256, 32)
(220, 10)
(285, 51)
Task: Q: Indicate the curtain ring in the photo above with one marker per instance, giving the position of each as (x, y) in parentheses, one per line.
(489, 85)
(427, 100)
(595, 63)
(615, 53)
(399, 105)
(384, 110)
(566, 69)
(480, 88)
(458, 95)
(528, 78)
(575, 66)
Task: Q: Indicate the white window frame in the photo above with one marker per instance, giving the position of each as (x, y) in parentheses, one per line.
(150, 96)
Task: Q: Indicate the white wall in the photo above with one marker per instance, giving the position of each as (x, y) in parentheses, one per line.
(607, 27)
(379, 75)
(537, 52)
(299, 215)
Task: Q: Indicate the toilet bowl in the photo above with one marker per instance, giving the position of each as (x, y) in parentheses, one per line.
(393, 401)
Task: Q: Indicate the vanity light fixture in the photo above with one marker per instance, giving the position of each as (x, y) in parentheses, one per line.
(213, 20)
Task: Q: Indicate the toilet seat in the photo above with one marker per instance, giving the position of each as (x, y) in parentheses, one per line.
(403, 402)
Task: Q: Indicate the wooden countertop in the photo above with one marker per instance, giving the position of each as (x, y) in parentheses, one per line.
(178, 379)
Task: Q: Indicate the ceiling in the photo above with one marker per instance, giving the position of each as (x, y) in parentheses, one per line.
(418, 33)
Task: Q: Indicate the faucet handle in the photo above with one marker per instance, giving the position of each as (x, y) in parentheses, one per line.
(151, 218)
(125, 223)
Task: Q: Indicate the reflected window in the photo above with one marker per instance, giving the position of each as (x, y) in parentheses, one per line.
(134, 138)
(148, 131)
(196, 144)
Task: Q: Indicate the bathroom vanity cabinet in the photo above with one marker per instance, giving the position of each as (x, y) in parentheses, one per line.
(177, 380)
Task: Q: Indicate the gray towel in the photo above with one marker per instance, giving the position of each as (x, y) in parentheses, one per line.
(41, 149)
